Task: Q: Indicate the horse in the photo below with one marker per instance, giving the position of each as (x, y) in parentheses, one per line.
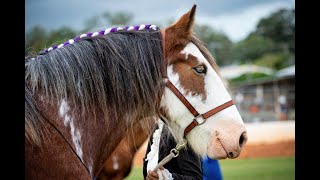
(119, 164)
(82, 96)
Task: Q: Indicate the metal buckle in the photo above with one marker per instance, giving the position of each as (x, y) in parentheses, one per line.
(200, 120)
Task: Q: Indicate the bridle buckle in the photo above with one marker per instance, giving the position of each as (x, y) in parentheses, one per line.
(199, 119)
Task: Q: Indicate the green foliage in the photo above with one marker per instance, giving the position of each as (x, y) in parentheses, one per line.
(118, 18)
(273, 34)
(274, 61)
(35, 39)
(248, 76)
(91, 23)
(280, 27)
(217, 43)
(60, 36)
(38, 38)
(252, 48)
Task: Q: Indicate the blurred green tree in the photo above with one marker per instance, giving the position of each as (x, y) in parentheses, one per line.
(35, 38)
(90, 23)
(280, 27)
(251, 48)
(217, 43)
(271, 44)
(118, 18)
(275, 61)
(60, 35)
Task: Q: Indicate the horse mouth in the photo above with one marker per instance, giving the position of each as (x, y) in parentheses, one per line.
(228, 155)
(216, 150)
(224, 149)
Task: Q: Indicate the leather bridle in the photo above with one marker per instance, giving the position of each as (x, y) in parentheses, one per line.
(198, 118)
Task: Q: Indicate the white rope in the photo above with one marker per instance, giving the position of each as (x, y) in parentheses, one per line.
(107, 31)
(83, 35)
(95, 34)
(71, 41)
(141, 27)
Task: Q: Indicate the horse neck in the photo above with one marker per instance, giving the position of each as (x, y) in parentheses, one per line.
(139, 136)
(92, 139)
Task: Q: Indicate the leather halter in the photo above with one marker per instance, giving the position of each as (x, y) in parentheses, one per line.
(198, 118)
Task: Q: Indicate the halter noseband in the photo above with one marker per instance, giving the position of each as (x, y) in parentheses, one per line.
(198, 118)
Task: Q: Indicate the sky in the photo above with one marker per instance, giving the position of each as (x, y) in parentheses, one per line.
(235, 18)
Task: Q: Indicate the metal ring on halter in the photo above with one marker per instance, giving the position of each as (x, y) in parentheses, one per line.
(175, 152)
(199, 119)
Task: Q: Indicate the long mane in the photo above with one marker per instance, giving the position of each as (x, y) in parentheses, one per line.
(118, 74)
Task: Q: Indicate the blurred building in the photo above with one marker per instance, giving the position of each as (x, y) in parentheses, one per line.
(263, 99)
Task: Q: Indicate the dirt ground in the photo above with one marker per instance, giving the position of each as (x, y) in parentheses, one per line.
(286, 148)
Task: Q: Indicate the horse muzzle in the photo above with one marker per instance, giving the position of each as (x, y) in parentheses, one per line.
(227, 141)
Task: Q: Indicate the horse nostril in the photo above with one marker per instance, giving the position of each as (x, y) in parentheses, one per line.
(230, 155)
(243, 139)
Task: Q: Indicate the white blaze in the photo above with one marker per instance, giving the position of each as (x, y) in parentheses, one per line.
(216, 94)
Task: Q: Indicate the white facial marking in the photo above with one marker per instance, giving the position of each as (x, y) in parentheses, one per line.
(216, 94)
(115, 162)
(68, 120)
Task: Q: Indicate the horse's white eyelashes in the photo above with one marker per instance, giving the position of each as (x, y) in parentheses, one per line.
(68, 120)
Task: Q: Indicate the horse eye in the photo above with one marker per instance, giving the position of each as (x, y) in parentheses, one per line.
(201, 69)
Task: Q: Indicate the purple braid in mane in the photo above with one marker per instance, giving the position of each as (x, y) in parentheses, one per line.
(101, 33)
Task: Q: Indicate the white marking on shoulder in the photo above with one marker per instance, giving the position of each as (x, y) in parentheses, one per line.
(69, 120)
(90, 166)
(64, 108)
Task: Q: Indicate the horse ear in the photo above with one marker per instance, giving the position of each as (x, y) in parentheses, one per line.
(185, 23)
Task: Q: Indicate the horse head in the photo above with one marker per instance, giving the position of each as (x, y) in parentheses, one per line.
(219, 131)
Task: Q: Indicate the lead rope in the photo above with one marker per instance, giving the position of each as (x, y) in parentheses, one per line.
(173, 154)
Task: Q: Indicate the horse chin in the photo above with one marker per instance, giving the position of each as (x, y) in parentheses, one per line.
(216, 151)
